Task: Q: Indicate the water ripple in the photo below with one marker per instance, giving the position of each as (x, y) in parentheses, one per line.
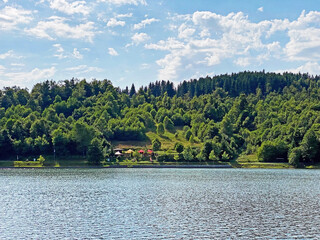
(159, 204)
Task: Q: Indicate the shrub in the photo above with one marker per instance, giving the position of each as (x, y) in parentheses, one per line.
(188, 154)
(188, 134)
(166, 157)
(272, 151)
(179, 147)
(160, 129)
(168, 124)
(295, 157)
(156, 144)
(41, 159)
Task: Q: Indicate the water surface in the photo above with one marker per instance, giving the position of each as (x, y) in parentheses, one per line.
(159, 204)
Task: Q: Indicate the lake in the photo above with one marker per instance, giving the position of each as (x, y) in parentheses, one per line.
(159, 204)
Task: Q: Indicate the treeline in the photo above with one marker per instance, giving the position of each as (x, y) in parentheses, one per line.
(274, 115)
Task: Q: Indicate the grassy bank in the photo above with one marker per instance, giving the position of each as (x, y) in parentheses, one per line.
(245, 161)
(251, 161)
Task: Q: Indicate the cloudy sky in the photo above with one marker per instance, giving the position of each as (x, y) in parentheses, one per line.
(139, 41)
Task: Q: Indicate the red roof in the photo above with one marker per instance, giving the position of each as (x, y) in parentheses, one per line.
(141, 151)
(150, 151)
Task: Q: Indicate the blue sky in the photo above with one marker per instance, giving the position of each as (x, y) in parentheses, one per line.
(141, 41)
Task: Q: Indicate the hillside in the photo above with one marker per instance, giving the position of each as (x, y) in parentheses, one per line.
(273, 115)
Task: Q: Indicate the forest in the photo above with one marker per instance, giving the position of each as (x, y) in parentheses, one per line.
(273, 115)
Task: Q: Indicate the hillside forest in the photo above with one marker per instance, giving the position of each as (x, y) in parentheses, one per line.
(276, 116)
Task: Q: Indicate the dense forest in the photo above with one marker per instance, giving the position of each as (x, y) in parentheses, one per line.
(276, 116)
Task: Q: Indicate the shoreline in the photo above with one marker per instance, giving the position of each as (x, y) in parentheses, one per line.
(128, 166)
(170, 166)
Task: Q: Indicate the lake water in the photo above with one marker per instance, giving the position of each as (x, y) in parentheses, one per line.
(159, 204)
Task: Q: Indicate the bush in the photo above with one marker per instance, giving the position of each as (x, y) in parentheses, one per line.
(168, 124)
(95, 155)
(272, 151)
(160, 129)
(188, 134)
(225, 156)
(179, 147)
(41, 159)
(166, 157)
(179, 157)
(213, 156)
(295, 157)
(156, 144)
(188, 154)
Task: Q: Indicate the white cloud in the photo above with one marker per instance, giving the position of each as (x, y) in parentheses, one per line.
(59, 47)
(235, 37)
(205, 33)
(144, 66)
(145, 22)
(260, 9)
(168, 65)
(310, 67)
(17, 64)
(126, 15)
(70, 8)
(168, 45)
(125, 2)
(6, 55)
(218, 38)
(11, 17)
(304, 34)
(60, 51)
(5, 1)
(212, 60)
(57, 27)
(185, 32)
(9, 54)
(112, 52)
(114, 22)
(76, 54)
(81, 69)
(138, 38)
(23, 78)
(242, 61)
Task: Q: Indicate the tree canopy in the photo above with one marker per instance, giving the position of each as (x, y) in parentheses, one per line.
(274, 115)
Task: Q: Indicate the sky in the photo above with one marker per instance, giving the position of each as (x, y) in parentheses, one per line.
(141, 41)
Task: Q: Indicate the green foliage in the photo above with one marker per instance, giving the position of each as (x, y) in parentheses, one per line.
(83, 134)
(309, 147)
(272, 152)
(156, 144)
(213, 156)
(160, 129)
(136, 155)
(206, 150)
(60, 141)
(225, 156)
(235, 114)
(295, 157)
(188, 154)
(166, 157)
(188, 134)
(179, 147)
(95, 153)
(191, 139)
(41, 159)
(168, 124)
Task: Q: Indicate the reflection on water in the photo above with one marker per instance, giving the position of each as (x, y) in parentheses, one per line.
(159, 204)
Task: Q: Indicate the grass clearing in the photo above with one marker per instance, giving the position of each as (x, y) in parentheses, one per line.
(251, 161)
(32, 164)
(4, 164)
(168, 141)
